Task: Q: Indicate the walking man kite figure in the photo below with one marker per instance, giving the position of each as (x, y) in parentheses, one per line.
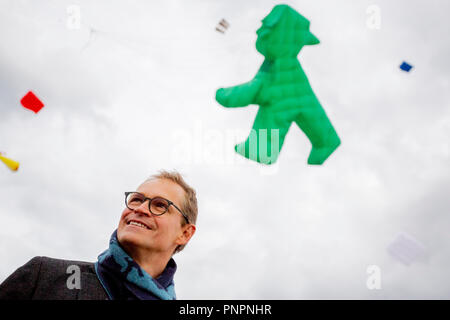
(282, 91)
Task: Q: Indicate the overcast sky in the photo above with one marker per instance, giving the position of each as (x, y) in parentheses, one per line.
(131, 91)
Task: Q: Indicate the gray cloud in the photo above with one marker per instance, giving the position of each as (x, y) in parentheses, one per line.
(129, 103)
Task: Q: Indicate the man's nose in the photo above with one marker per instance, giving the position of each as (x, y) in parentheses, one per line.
(143, 208)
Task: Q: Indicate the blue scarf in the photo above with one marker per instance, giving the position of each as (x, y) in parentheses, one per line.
(124, 279)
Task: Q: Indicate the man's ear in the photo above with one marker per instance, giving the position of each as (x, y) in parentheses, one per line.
(188, 231)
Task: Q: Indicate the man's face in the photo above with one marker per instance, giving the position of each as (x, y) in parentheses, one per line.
(163, 233)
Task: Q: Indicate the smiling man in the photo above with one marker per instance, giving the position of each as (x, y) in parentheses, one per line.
(158, 221)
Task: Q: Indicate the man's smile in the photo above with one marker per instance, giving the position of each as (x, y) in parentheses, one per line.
(138, 223)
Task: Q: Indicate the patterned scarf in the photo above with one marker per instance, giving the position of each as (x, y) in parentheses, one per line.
(124, 279)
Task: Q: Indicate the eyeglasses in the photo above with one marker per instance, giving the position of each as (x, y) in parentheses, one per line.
(157, 206)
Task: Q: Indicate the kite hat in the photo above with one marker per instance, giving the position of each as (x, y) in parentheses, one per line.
(284, 32)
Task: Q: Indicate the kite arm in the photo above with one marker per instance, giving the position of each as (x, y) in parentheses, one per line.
(241, 95)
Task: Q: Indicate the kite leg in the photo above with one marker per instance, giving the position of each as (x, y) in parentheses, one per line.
(315, 124)
(266, 138)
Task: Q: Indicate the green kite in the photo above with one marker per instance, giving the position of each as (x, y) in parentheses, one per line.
(282, 91)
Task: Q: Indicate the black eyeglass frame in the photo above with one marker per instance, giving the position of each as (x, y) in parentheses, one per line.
(150, 203)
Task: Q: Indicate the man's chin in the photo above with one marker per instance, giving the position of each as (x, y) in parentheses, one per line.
(128, 237)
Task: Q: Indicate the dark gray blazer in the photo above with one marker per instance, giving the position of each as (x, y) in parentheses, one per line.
(44, 278)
